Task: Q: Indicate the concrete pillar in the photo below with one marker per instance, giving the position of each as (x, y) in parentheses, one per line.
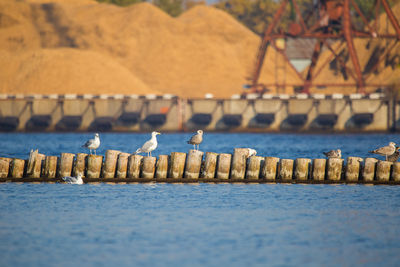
(286, 169)
(94, 164)
(65, 166)
(383, 170)
(335, 169)
(17, 168)
(210, 165)
(193, 164)
(134, 166)
(122, 165)
(396, 171)
(4, 167)
(318, 173)
(353, 168)
(50, 167)
(148, 167)
(110, 163)
(239, 162)
(79, 164)
(269, 168)
(368, 172)
(162, 166)
(224, 166)
(178, 160)
(253, 167)
(302, 168)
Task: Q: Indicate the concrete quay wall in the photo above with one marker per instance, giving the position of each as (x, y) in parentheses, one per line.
(269, 113)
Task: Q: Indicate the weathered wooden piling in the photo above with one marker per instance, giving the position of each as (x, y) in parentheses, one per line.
(286, 169)
(193, 164)
(34, 165)
(162, 166)
(396, 171)
(334, 169)
(177, 165)
(302, 167)
(17, 168)
(50, 167)
(134, 166)
(210, 165)
(148, 167)
(318, 171)
(94, 163)
(122, 165)
(353, 168)
(269, 168)
(253, 167)
(79, 164)
(224, 166)
(383, 170)
(239, 162)
(368, 172)
(110, 163)
(65, 166)
(4, 167)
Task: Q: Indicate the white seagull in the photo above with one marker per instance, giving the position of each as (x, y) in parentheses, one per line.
(386, 150)
(252, 152)
(93, 143)
(149, 145)
(196, 140)
(73, 180)
(334, 154)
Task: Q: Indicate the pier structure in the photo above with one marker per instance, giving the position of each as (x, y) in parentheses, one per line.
(196, 166)
(265, 113)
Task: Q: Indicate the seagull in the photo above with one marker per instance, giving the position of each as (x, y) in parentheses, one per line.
(386, 150)
(196, 139)
(73, 180)
(93, 143)
(395, 156)
(149, 145)
(252, 152)
(333, 153)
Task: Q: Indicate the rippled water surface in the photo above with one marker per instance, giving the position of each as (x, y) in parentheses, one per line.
(199, 225)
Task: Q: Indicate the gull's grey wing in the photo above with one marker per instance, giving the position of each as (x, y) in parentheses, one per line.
(386, 150)
(69, 179)
(195, 139)
(88, 143)
(146, 146)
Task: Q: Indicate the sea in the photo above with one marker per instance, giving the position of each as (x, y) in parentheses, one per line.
(199, 224)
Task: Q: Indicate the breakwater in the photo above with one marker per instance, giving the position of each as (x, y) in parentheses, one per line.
(266, 113)
(197, 166)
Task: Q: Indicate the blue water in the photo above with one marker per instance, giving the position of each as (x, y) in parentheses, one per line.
(199, 225)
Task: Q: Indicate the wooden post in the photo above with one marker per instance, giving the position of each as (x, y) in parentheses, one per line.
(239, 162)
(4, 167)
(79, 164)
(353, 168)
(66, 162)
(148, 168)
(122, 165)
(396, 171)
(162, 166)
(302, 168)
(210, 165)
(254, 166)
(110, 163)
(177, 165)
(383, 170)
(286, 169)
(17, 168)
(94, 163)
(224, 166)
(50, 167)
(134, 166)
(30, 168)
(368, 173)
(269, 168)
(37, 170)
(193, 164)
(318, 173)
(335, 169)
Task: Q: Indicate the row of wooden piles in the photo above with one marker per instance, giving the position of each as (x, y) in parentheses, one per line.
(214, 167)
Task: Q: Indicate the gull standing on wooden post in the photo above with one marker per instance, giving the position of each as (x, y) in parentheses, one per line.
(93, 143)
(149, 145)
(333, 153)
(385, 151)
(196, 139)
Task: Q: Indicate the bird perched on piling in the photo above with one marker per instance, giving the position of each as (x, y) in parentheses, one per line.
(149, 145)
(196, 139)
(334, 154)
(385, 151)
(73, 180)
(395, 156)
(93, 144)
(252, 152)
